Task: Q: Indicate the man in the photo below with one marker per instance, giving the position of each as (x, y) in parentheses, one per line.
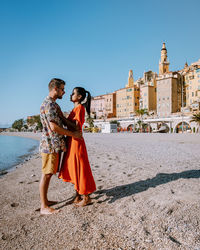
(52, 141)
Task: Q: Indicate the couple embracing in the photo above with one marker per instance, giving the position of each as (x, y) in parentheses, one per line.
(75, 167)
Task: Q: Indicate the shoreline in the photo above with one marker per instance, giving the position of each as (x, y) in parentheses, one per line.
(32, 152)
(147, 197)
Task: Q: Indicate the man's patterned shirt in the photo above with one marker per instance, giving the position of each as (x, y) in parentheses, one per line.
(51, 142)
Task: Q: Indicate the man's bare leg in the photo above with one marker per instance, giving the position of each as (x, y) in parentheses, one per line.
(44, 185)
(85, 201)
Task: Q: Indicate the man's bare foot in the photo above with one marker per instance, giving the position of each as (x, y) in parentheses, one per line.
(86, 201)
(51, 203)
(48, 211)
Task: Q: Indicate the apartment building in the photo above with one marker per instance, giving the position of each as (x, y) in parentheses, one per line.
(148, 99)
(103, 106)
(127, 99)
(192, 86)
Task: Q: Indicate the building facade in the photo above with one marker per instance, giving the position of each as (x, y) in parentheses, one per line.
(192, 86)
(127, 99)
(169, 94)
(148, 99)
(103, 106)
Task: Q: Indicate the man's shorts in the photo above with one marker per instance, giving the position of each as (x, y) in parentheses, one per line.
(50, 163)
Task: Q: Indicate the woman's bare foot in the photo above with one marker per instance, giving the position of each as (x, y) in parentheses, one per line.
(85, 201)
(48, 211)
(77, 199)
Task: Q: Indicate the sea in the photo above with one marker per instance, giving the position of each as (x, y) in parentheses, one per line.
(15, 150)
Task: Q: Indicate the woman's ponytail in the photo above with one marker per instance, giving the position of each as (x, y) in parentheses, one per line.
(81, 91)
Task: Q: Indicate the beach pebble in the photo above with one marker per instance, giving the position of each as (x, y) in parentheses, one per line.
(2, 236)
(33, 175)
(14, 204)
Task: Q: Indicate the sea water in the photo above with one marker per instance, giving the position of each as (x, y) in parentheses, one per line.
(14, 150)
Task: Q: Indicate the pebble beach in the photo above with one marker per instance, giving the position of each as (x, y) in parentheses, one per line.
(148, 197)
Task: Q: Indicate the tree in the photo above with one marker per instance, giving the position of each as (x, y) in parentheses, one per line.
(35, 120)
(141, 112)
(196, 118)
(38, 121)
(18, 124)
(115, 122)
(90, 122)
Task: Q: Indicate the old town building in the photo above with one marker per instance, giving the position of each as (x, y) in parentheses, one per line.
(169, 88)
(148, 90)
(104, 106)
(192, 85)
(127, 99)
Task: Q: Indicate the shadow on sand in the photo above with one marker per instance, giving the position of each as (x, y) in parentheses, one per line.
(122, 191)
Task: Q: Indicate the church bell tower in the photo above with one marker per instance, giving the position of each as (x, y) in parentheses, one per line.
(163, 64)
(130, 79)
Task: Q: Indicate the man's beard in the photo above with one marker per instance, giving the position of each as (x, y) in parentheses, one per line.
(59, 97)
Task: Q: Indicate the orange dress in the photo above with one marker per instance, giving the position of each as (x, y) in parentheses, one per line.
(75, 165)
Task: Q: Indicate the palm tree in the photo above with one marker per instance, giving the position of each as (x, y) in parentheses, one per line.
(141, 112)
(196, 118)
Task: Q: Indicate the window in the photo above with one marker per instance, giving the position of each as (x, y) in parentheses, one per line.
(197, 70)
(163, 98)
(128, 90)
(192, 93)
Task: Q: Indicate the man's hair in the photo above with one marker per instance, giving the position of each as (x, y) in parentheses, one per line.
(55, 82)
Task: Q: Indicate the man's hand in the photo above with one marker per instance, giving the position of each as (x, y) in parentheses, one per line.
(77, 134)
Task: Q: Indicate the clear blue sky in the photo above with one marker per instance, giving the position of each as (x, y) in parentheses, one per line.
(88, 43)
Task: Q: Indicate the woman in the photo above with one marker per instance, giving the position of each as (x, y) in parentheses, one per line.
(75, 165)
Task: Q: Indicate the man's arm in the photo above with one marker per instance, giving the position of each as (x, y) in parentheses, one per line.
(54, 127)
(72, 126)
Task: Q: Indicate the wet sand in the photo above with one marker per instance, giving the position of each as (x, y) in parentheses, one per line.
(148, 197)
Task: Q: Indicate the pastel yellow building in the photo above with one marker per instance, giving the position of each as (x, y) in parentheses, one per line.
(127, 99)
(192, 85)
(148, 97)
